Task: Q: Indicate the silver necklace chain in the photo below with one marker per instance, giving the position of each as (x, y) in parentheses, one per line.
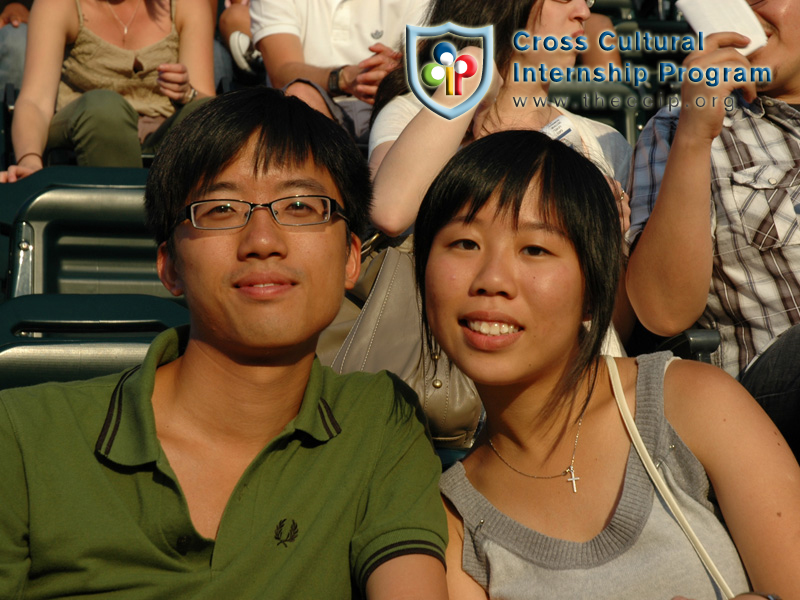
(570, 470)
(123, 25)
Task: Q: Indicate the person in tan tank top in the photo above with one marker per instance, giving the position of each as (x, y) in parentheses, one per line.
(107, 78)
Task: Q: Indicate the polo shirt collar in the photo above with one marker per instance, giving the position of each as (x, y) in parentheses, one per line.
(316, 417)
(128, 436)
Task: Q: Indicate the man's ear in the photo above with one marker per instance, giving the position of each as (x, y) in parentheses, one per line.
(353, 265)
(167, 271)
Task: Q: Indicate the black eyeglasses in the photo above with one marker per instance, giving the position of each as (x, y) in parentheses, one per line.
(294, 211)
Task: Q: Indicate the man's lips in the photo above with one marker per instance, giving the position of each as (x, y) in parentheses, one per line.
(264, 285)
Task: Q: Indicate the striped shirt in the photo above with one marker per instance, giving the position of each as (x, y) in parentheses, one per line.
(754, 293)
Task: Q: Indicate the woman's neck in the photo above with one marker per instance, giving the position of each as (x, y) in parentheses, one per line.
(523, 414)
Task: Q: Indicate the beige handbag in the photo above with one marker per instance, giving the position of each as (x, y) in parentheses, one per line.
(388, 335)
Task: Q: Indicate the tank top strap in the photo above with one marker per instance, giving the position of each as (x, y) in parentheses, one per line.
(172, 9)
(80, 13)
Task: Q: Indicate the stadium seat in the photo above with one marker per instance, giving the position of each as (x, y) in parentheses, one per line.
(79, 230)
(64, 337)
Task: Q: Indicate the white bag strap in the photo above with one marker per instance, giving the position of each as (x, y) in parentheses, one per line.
(658, 480)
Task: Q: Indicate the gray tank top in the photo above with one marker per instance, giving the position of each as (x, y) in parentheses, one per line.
(642, 553)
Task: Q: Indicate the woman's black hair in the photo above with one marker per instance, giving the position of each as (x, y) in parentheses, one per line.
(573, 196)
(507, 16)
(286, 131)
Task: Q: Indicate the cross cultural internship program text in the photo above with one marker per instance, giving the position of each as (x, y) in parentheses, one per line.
(630, 74)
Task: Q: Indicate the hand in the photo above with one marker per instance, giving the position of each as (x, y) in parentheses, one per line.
(623, 203)
(14, 13)
(720, 51)
(362, 80)
(16, 172)
(173, 82)
(383, 58)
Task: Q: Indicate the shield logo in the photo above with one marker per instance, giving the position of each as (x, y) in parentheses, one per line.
(446, 68)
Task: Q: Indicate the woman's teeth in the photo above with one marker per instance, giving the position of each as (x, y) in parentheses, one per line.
(492, 327)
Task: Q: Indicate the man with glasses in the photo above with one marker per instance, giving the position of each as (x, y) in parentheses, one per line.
(715, 205)
(231, 464)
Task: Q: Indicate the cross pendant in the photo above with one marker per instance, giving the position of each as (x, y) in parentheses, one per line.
(573, 479)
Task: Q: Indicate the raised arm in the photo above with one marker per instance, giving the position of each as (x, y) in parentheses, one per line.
(755, 476)
(669, 270)
(48, 26)
(404, 169)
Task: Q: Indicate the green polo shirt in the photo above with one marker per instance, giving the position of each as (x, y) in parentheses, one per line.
(90, 505)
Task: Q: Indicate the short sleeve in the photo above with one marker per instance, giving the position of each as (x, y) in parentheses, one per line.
(404, 512)
(14, 549)
(649, 160)
(268, 17)
(393, 119)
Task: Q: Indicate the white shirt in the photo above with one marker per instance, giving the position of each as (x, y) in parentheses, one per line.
(337, 32)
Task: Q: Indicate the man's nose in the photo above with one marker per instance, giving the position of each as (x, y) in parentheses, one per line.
(262, 235)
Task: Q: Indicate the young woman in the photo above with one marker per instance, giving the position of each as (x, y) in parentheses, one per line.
(409, 146)
(515, 246)
(104, 76)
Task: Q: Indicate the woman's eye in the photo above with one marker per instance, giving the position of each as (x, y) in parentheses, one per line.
(464, 245)
(534, 251)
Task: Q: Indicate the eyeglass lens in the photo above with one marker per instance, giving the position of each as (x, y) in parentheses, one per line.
(228, 214)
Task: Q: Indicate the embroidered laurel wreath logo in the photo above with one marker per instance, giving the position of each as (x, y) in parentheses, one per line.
(290, 537)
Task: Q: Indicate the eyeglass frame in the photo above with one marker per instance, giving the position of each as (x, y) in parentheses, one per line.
(334, 208)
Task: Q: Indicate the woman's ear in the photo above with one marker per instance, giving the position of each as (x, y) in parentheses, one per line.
(168, 271)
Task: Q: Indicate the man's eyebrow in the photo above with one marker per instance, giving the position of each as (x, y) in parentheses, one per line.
(222, 186)
(304, 183)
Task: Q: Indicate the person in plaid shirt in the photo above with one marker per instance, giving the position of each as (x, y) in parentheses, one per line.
(714, 228)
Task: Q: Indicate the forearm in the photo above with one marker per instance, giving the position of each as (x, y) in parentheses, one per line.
(282, 72)
(411, 164)
(670, 268)
(29, 130)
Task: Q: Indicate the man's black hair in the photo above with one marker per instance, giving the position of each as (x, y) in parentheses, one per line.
(287, 132)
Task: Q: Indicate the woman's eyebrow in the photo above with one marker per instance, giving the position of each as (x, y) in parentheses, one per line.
(527, 225)
(540, 226)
